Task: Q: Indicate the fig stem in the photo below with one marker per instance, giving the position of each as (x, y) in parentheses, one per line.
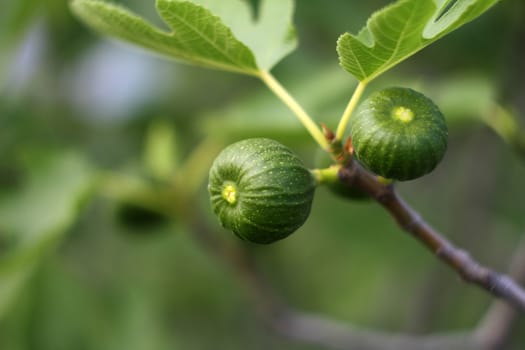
(276, 87)
(352, 104)
(326, 175)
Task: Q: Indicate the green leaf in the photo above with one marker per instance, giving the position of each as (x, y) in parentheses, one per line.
(36, 218)
(271, 36)
(400, 30)
(197, 37)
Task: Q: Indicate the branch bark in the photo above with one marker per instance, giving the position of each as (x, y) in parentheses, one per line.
(499, 285)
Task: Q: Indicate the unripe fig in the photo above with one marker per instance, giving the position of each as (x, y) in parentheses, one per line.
(399, 133)
(260, 190)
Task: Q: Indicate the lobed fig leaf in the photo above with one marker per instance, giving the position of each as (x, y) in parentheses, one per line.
(197, 36)
(398, 31)
(214, 34)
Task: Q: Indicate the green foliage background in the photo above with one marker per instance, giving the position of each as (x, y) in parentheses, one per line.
(74, 274)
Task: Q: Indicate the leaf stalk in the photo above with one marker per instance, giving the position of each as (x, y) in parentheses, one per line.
(352, 104)
(276, 87)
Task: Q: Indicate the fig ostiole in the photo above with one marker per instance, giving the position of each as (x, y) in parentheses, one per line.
(399, 134)
(260, 190)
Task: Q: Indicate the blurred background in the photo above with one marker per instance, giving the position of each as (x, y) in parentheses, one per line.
(89, 128)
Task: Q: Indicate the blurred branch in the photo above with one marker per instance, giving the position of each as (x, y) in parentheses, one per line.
(410, 221)
(497, 324)
(491, 334)
(311, 328)
(336, 335)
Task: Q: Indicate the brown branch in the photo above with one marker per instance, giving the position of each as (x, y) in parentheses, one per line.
(410, 221)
